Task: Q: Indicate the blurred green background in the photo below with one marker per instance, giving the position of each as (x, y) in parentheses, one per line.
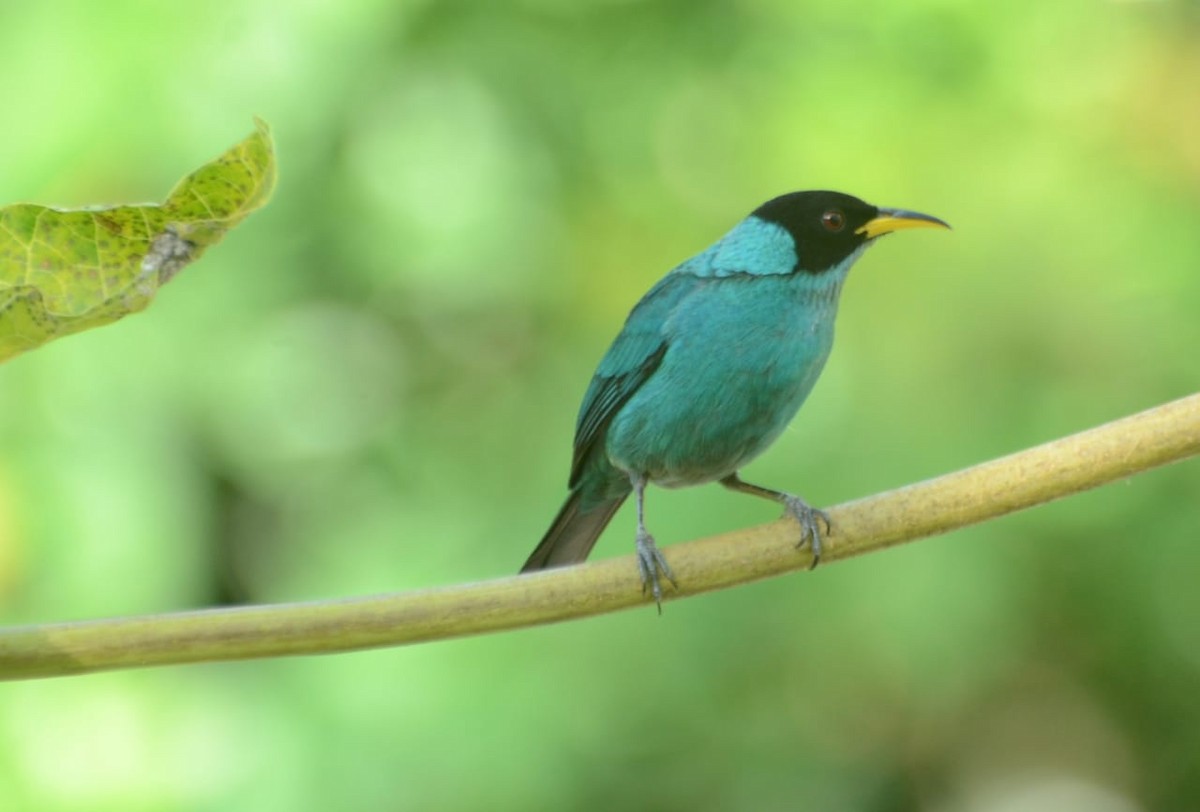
(371, 386)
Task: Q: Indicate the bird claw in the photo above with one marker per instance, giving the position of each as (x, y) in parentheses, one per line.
(807, 516)
(650, 563)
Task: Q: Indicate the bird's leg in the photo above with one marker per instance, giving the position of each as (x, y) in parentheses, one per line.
(650, 560)
(794, 506)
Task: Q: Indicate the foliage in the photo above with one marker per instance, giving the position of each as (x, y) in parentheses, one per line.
(63, 271)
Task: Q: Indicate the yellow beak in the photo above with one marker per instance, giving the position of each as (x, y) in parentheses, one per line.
(889, 220)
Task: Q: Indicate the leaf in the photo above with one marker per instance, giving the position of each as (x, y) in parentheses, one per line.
(63, 271)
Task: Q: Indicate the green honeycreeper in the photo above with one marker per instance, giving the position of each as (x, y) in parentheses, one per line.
(711, 366)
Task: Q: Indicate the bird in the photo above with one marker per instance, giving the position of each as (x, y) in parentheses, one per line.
(709, 368)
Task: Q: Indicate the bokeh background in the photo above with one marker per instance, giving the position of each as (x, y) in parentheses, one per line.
(371, 386)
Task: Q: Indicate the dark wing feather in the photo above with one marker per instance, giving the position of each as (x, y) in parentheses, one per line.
(632, 358)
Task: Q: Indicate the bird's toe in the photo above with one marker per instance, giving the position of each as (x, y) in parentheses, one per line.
(651, 562)
(809, 519)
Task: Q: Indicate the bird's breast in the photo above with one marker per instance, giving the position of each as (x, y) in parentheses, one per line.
(742, 355)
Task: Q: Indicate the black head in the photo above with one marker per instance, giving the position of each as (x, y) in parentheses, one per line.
(830, 226)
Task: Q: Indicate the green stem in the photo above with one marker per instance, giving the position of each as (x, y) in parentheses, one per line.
(1159, 436)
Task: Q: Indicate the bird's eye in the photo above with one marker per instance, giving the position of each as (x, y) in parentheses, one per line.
(833, 220)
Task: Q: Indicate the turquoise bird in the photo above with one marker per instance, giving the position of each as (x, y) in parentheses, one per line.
(711, 366)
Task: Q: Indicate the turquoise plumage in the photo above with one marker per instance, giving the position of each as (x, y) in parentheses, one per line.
(711, 366)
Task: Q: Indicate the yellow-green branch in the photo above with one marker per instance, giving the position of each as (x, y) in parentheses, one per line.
(1159, 436)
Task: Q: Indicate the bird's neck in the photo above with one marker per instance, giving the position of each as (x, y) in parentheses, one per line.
(823, 289)
(754, 247)
(761, 248)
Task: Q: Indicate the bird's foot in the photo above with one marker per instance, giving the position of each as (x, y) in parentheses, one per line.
(807, 517)
(651, 562)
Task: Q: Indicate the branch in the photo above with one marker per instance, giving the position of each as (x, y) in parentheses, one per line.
(1159, 436)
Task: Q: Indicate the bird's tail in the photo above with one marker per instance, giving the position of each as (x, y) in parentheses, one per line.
(572, 534)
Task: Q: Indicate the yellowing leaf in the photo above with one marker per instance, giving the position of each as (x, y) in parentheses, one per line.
(62, 271)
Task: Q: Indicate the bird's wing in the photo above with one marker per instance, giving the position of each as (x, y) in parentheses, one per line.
(631, 359)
